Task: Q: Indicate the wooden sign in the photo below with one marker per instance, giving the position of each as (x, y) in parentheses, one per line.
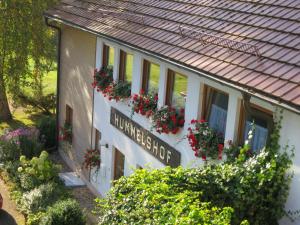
(149, 142)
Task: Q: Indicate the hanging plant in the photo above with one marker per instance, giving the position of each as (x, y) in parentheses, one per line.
(65, 132)
(144, 104)
(168, 120)
(119, 91)
(92, 159)
(205, 141)
(103, 78)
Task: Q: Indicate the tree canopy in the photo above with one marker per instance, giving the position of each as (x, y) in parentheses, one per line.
(27, 49)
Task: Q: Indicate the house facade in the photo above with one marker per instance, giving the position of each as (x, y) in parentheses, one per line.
(217, 61)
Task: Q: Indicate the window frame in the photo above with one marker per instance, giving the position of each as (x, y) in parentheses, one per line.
(117, 153)
(206, 99)
(69, 115)
(255, 111)
(97, 139)
(105, 55)
(146, 75)
(171, 74)
(122, 66)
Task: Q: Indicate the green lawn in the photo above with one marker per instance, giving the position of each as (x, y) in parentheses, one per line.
(21, 118)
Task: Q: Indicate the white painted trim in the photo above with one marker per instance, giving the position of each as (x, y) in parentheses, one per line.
(116, 63)
(99, 51)
(162, 86)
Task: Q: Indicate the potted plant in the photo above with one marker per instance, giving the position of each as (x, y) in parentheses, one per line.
(144, 104)
(205, 141)
(102, 78)
(118, 91)
(65, 133)
(168, 120)
(92, 159)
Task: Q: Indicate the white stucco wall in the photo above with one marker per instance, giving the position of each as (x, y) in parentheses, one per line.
(135, 155)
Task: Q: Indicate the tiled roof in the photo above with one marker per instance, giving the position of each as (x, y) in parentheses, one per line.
(273, 26)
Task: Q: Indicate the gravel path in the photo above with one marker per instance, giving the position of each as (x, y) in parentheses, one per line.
(9, 214)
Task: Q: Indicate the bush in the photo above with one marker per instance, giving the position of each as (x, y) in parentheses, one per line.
(9, 151)
(39, 198)
(30, 146)
(22, 141)
(28, 182)
(64, 212)
(38, 170)
(11, 168)
(35, 218)
(249, 189)
(47, 128)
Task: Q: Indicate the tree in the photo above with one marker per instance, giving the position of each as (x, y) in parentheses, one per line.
(27, 49)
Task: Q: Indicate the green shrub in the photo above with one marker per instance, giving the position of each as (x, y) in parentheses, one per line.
(40, 168)
(47, 128)
(41, 197)
(28, 182)
(247, 189)
(30, 146)
(9, 151)
(35, 218)
(64, 212)
(11, 167)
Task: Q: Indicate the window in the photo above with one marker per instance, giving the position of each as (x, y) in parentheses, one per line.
(151, 74)
(108, 56)
(126, 66)
(69, 115)
(68, 130)
(119, 164)
(176, 89)
(263, 124)
(215, 105)
(97, 139)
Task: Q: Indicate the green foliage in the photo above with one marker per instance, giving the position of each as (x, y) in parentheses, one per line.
(103, 78)
(40, 167)
(145, 104)
(24, 36)
(39, 198)
(44, 102)
(47, 128)
(35, 218)
(27, 181)
(120, 90)
(168, 120)
(64, 212)
(247, 190)
(30, 146)
(9, 151)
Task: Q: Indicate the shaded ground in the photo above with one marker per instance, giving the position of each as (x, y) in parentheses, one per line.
(9, 214)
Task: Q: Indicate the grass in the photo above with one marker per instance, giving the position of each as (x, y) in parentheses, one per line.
(22, 118)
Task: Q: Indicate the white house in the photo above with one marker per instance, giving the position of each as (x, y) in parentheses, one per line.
(230, 62)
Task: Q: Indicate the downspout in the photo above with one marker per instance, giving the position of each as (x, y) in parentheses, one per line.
(58, 29)
(93, 108)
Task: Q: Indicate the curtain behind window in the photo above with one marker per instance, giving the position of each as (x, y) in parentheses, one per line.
(217, 119)
(260, 136)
